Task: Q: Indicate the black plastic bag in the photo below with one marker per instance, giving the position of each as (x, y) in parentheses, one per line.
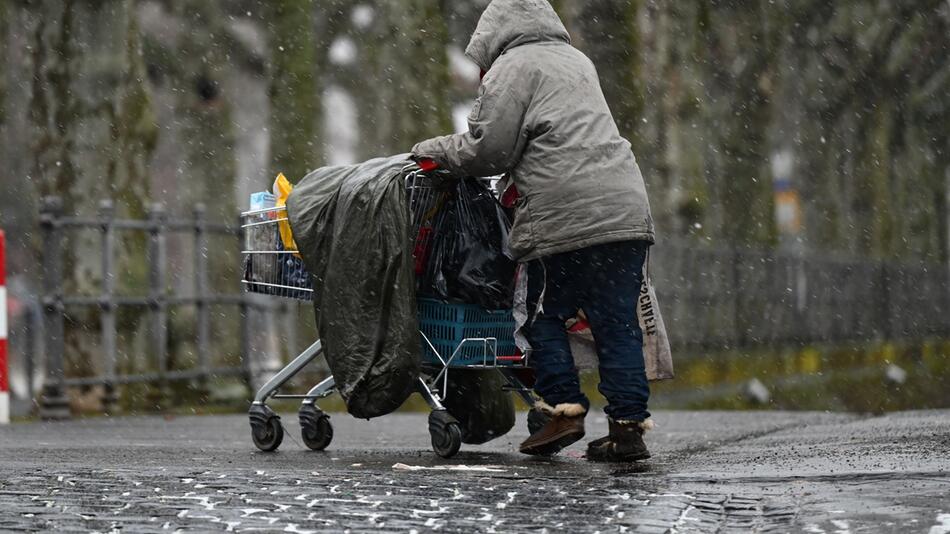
(477, 399)
(468, 257)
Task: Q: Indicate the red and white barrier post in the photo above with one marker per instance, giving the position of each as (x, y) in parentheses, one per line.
(4, 370)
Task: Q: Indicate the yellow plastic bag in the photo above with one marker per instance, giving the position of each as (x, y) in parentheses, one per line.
(282, 189)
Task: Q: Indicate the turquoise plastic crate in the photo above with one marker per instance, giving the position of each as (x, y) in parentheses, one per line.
(447, 324)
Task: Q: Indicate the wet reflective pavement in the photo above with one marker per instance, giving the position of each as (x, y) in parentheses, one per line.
(711, 472)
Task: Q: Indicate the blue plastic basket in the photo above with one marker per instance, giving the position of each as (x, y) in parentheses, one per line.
(447, 324)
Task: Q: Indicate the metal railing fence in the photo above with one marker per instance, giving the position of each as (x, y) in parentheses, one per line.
(712, 297)
(727, 297)
(157, 303)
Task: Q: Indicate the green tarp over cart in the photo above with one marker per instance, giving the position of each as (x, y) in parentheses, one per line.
(351, 225)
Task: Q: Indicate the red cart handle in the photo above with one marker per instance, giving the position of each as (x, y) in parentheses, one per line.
(427, 164)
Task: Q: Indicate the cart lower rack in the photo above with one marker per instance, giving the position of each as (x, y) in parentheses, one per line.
(452, 336)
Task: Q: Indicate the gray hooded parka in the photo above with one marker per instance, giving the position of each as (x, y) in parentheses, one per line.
(541, 116)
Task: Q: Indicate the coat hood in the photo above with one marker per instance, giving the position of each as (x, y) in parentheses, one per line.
(506, 24)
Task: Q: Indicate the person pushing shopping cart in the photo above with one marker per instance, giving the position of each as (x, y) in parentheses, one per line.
(411, 265)
(582, 225)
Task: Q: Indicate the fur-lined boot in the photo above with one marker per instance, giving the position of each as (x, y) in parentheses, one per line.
(624, 443)
(565, 427)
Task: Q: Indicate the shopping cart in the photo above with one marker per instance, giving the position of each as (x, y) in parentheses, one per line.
(452, 336)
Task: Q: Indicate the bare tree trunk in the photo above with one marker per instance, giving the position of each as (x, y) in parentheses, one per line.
(405, 100)
(295, 99)
(874, 158)
(5, 16)
(658, 133)
(92, 134)
(203, 111)
(740, 81)
(609, 34)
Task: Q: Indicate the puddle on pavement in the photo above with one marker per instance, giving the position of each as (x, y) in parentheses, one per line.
(631, 469)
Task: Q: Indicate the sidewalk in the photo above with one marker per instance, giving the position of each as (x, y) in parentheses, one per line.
(742, 471)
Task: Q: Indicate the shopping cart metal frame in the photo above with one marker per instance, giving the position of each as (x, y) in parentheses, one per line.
(267, 431)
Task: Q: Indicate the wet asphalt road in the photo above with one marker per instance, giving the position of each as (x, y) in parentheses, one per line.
(711, 472)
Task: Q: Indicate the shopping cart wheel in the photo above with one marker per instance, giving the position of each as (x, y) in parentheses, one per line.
(536, 420)
(266, 430)
(445, 432)
(315, 427)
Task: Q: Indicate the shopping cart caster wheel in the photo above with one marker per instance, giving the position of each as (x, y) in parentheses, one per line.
(315, 427)
(536, 420)
(266, 430)
(445, 432)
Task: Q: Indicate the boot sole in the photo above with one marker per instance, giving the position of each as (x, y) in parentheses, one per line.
(552, 447)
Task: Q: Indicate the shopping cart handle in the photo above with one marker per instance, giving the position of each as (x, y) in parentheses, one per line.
(427, 164)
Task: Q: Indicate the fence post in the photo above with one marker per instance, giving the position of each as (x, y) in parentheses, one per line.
(53, 404)
(157, 299)
(244, 307)
(885, 303)
(740, 334)
(33, 345)
(202, 317)
(802, 299)
(107, 304)
(946, 301)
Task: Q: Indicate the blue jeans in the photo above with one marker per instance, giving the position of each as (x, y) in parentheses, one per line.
(604, 281)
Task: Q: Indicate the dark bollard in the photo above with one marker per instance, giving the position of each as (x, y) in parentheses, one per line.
(107, 307)
(244, 309)
(202, 312)
(158, 303)
(54, 404)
